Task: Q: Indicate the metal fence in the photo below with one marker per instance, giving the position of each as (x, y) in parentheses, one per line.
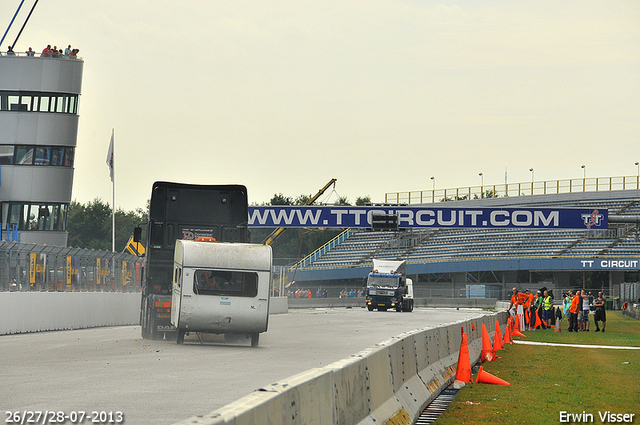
(595, 184)
(630, 292)
(31, 267)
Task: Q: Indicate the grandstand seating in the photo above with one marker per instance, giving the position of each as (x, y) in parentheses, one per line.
(430, 245)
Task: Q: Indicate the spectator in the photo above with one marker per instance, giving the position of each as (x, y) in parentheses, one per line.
(46, 52)
(30, 52)
(54, 52)
(10, 51)
(574, 309)
(585, 311)
(67, 51)
(547, 303)
(601, 314)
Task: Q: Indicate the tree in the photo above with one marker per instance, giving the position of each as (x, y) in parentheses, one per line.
(361, 201)
(280, 199)
(90, 225)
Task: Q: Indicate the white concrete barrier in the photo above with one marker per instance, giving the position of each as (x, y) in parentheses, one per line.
(22, 312)
(390, 382)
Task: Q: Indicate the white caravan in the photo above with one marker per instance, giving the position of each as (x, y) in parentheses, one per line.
(221, 288)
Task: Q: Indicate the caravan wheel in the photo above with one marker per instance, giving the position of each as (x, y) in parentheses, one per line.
(255, 338)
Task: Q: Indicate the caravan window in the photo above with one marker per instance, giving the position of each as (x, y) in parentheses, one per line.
(225, 282)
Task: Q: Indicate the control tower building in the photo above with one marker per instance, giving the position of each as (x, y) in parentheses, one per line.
(39, 97)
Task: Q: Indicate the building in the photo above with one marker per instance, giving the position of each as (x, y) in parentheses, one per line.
(39, 97)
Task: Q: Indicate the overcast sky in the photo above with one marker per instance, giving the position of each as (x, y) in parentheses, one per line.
(282, 96)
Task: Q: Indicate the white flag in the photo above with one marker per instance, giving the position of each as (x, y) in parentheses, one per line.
(110, 161)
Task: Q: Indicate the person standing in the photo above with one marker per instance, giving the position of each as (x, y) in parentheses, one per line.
(574, 309)
(585, 311)
(601, 314)
(547, 305)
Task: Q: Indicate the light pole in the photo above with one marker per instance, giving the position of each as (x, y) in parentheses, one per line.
(481, 185)
(433, 189)
(532, 174)
(584, 177)
(638, 181)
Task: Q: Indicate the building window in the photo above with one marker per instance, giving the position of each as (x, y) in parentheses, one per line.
(35, 216)
(59, 103)
(62, 156)
(6, 155)
(24, 155)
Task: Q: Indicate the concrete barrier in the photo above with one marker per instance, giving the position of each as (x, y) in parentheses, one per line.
(390, 382)
(22, 312)
(488, 303)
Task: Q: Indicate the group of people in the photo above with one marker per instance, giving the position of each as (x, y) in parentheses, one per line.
(537, 310)
(49, 52)
(577, 307)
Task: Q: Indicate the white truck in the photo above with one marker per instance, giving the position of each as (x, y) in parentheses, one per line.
(221, 288)
(387, 286)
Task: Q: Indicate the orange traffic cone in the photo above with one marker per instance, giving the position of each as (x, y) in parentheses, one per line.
(487, 378)
(487, 354)
(463, 372)
(517, 333)
(497, 339)
(516, 329)
(538, 321)
(507, 335)
(473, 326)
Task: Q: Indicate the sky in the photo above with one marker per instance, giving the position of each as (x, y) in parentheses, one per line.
(282, 96)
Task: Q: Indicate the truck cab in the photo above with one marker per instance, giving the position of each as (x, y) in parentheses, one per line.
(387, 287)
(221, 288)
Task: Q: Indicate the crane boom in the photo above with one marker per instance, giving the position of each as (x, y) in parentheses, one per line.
(274, 235)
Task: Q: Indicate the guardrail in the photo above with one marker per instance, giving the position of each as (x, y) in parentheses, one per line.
(594, 184)
(39, 55)
(392, 381)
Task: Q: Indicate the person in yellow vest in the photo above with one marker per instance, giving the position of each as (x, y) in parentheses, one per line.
(547, 305)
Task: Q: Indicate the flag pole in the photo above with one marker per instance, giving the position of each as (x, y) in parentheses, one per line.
(113, 209)
(112, 174)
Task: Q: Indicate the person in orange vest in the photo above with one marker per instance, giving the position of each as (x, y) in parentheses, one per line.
(514, 303)
(573, 312)
(528, 304)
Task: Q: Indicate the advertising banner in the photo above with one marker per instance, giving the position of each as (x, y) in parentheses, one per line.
(420, 217)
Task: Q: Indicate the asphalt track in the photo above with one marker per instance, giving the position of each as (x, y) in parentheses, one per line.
(158, 382)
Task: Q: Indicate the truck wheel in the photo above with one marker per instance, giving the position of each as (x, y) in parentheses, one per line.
(255, 338)
(153, 329)
(410, 306)
(180, 336)
(370, 307)
(399, 308)
(145, 330)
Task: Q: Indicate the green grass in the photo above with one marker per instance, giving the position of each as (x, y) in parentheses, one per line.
(547, 380)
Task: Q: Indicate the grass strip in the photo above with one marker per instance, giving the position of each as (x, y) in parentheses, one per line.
(546, 381)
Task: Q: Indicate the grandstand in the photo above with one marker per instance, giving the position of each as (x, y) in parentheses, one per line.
(455, 257)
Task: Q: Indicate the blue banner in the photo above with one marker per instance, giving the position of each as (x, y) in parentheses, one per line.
(420, 217)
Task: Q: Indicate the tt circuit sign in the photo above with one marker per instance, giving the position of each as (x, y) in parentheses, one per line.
(415, 217)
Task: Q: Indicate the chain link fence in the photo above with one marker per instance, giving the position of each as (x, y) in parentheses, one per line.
(44, 268)
(630, 292)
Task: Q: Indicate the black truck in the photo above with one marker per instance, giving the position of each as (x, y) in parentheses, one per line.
(183, 211)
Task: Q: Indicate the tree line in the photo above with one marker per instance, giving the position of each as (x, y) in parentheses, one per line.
(89, 227)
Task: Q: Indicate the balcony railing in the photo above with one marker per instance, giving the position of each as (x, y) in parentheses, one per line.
(594, 184)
